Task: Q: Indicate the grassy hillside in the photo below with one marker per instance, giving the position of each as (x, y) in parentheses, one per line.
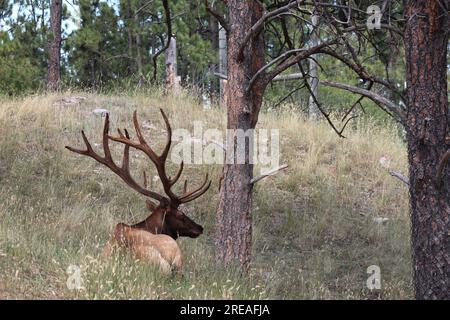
(314, 237)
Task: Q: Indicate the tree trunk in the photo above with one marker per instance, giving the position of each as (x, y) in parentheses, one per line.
(138, 41)
(214, 38)
(54, 47)
(171, 81)
(428, 132)
(129, 27)
(222, 64)
(233, 237)
(314, 81)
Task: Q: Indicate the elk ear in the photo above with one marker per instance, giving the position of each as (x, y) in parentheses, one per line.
(150, 205)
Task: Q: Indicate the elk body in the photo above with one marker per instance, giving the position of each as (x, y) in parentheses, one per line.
(152, 239)
(159, 249)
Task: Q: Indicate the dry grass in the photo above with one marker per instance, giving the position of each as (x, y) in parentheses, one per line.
(314, 230)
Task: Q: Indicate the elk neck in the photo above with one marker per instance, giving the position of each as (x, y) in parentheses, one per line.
(156, 223)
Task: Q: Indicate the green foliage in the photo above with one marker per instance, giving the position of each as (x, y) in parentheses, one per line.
(113, 43)
(18, 71)
(101, 48)
(23, 59)
(194, 48)
(94, 49)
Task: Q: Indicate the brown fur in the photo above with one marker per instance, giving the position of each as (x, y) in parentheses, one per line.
(152, 239)
(158, 249)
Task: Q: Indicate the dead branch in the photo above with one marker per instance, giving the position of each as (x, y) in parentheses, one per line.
(400, 176)
(169, 36)
(218, 17)
(375, 97)
(269, 173)
(259, 25)
(285, 77)
(360, 70)
(302, 54)
(288, 95)
(357, 102)
(322, 110)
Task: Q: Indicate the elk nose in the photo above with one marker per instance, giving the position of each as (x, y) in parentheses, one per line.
(200, 230)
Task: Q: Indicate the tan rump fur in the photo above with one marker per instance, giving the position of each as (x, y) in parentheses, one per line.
(159, 249)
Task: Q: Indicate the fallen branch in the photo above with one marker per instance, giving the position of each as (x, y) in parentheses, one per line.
(269, 173)
(399, 176)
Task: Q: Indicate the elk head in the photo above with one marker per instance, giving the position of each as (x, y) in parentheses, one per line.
(165, 216)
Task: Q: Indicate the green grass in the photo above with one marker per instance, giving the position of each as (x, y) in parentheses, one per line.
(314, 234)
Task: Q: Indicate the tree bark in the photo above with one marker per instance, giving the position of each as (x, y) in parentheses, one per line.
(171, 81)
(233, 237)
(138, 40)
(54, 47)
(314, 80)
(214, 38)
(129, 27)
(428, 133)
(222, 43)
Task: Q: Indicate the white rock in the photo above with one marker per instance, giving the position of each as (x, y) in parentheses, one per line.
(206, 102)
(72, 99)
(380, 220)
(101, 112)
(384, 162)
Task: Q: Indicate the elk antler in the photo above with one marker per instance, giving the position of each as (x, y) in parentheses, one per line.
(158, 161)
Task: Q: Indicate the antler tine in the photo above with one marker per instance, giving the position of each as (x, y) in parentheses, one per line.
(198, 194)
(169, 136)
(159, 161)
(123, 172)
(126, 153)
(138, 129)
(106, 149)
(194, 194)
(143, 144)
(178, 175)
(145, 178)
(106, 160)
(79, 151)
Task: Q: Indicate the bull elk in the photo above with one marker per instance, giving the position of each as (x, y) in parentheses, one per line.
(153, 238)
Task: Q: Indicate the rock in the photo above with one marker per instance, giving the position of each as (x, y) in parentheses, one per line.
(73, 99)
(380, 220)
(70, 100)
(385, 162)
(101, 112)
(148, 126)
(206, 102)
